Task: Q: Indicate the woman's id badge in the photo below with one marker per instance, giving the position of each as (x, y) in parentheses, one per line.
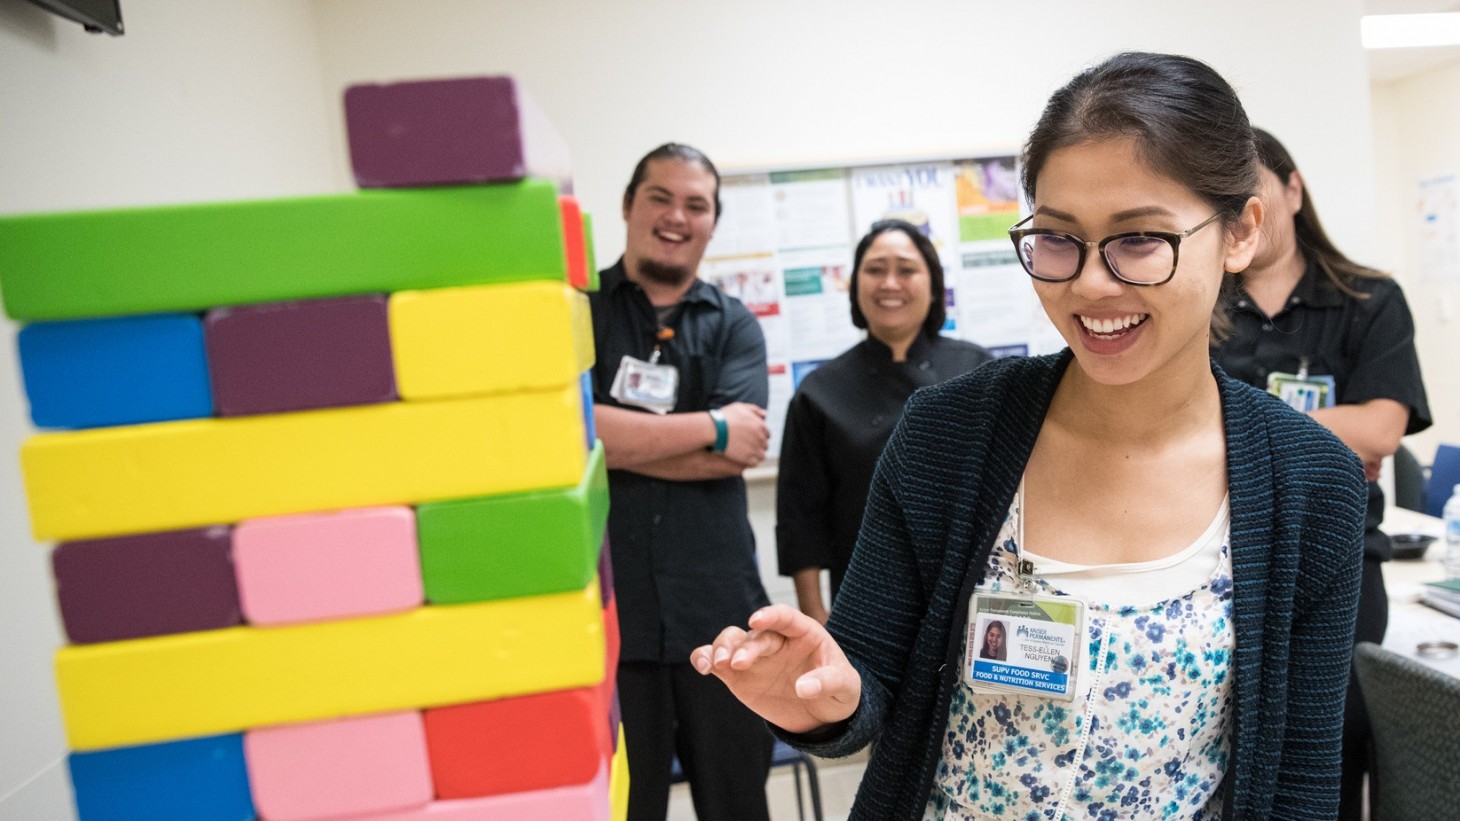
(1024, 643)
(646, 385)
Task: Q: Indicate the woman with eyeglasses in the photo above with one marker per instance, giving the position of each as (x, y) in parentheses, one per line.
(1174, 553)
(843, 412)
(1337, 340)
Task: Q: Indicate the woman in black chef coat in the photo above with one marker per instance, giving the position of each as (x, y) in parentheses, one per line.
(1338, 339)
(844, 410)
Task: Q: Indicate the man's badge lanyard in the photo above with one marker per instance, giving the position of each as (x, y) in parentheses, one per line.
(648, 385)
(1302, 392)
(1021, 641)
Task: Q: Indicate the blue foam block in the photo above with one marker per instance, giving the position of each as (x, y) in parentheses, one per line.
(199, 778)
(116, 371)
(586, 380)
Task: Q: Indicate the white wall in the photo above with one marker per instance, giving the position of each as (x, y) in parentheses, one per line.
(204, 100)
(220, 99)
(1417, 137)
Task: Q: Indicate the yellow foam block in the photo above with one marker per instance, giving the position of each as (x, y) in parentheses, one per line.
(489, 339)
(618, 781)
(222, 681)
(185, 474)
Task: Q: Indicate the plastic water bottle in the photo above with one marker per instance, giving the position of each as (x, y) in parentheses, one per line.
(1452, 535)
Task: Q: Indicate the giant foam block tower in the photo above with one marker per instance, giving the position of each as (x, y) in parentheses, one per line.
(322, 475)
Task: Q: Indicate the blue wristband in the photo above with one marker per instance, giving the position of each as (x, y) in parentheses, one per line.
(722, 431)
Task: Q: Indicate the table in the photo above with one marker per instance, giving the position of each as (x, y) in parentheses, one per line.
(1409, 621)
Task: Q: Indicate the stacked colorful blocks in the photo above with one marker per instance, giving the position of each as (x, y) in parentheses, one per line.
(327, 500)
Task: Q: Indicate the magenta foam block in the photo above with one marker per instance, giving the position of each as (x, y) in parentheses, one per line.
(318, 567)
(330, 769)
(291, 356)
(455, 131)
(152, 584)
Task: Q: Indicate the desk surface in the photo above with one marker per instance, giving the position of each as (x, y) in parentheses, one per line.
(1409, 621)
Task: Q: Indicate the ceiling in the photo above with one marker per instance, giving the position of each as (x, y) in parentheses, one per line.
(1387, 65)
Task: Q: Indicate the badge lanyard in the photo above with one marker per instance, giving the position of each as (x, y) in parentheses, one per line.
(1022, 641)
(648, 385)
(1303, 392)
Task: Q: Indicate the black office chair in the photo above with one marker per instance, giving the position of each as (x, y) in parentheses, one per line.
(1414, 711)
(784, 755)
(1409, 481)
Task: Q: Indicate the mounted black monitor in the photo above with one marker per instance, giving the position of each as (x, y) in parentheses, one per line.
(95, 16)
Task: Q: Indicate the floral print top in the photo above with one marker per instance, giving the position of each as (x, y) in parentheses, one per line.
(1147, 735)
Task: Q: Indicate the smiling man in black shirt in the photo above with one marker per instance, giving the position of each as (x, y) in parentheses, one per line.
(679, 392)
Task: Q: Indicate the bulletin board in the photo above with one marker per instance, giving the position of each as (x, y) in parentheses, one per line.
(785, 241)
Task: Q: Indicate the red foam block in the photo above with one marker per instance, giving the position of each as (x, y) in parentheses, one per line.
(516, 744)
(577, 249)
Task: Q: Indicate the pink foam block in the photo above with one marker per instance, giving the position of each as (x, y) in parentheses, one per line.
(332, 768)
(580, 802)
(324, 566)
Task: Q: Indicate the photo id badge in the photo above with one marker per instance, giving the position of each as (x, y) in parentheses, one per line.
(1301, 392)
(1022, 643)
(646, 385)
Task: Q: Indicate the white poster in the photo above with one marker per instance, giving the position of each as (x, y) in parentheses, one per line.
(755, 281)
(994, 298)
(1439, 230)
(818, 306)
(811, 209)
(748, 223)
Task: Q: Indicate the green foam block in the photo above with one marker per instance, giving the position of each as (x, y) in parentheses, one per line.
(517, 544)
(588, 246)
(194, 257)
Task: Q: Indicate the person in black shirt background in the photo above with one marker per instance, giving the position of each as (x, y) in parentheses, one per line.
(844, 411)
(1304, 312)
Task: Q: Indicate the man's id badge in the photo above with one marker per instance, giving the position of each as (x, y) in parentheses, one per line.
(646, 385)
(1021, 643)
(1302, 392)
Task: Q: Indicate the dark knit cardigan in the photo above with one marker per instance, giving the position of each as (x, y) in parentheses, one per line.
(942, 490)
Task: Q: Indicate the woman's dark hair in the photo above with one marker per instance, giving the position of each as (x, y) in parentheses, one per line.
(937, 312)
(1317, 248)
(1187, 124)
(672, 151)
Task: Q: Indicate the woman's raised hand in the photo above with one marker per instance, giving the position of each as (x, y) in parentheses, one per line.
(786, 668)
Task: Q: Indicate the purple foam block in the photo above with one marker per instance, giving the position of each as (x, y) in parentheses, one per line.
(291, 356)
(451, 132)
(615, 718)
(151, 584)
(605, 573)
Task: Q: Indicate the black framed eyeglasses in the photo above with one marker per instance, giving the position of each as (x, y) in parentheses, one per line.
(1134, 257)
